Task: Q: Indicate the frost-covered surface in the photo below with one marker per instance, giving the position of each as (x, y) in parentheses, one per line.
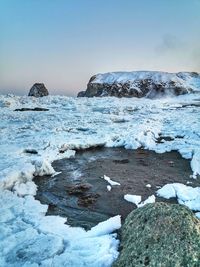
(186, 195)
(30, 141)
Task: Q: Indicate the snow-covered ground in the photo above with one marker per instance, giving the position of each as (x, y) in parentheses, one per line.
(30, 141)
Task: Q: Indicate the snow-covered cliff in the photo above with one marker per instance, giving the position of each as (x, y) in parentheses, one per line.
(142, 83)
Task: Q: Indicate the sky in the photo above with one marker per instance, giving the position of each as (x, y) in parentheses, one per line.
(62, 43)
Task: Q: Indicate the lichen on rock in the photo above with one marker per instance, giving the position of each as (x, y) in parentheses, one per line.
(160, 235)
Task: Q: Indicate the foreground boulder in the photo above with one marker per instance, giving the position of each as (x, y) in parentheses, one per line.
(142, 83)
(160, 235)
(38, 90)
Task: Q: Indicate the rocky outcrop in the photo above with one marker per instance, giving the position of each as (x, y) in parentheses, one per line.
(160, 235)
(141, 83)
(81, 94)
(38, 90)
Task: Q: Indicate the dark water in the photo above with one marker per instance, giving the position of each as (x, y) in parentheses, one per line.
(80, 194)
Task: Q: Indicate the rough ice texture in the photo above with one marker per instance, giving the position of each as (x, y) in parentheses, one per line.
(31, 141)
(160, 234)
(29, 238)
(142, 83)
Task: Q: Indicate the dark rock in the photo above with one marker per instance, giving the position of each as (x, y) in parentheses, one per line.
(38, 90)
(160, 234)
(88, 199)
(31, 109)
(30, 151)
(79, 189)
(81, 94)
(121, 161)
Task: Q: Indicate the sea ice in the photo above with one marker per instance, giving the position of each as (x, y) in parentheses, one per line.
(57, 134)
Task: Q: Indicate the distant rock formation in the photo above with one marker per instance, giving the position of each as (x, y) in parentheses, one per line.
(38, 90)
(160, 234)
(142, 83)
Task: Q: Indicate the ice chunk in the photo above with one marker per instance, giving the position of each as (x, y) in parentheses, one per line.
(167, 191)
(148, 185)
(111, 182)
(109, 187)
(43, 167)
(186, 195)
(135, 199)
(150, 199)
(24, 189)
(195, 163)
(106, 227)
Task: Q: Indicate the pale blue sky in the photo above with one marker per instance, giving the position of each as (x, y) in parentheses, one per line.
(63, 42)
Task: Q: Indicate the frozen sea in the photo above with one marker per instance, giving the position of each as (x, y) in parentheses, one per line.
(31, 140)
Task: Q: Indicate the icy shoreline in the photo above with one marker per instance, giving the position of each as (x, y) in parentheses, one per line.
(71, 124)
